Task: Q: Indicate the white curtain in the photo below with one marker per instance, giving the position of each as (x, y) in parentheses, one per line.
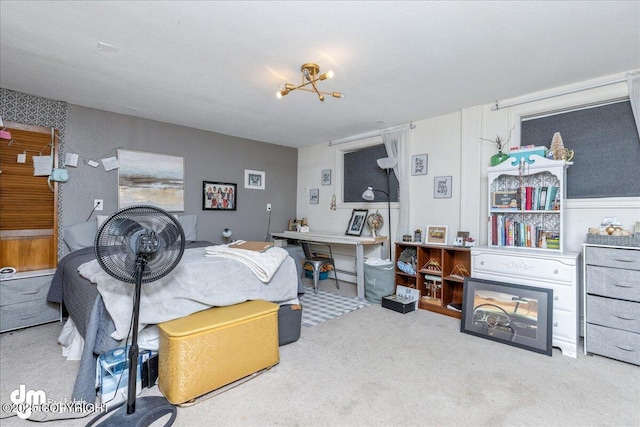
(395, 142)
(633, 84)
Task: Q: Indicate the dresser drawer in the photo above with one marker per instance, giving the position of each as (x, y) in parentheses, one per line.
(613, 282)
(614, 343)
(612, 257)
(614, 313)
(563, 325)
(23, 290)
(28, 314)
(529, 268)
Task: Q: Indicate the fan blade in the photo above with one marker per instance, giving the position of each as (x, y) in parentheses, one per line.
(123, 227)
(169, 235)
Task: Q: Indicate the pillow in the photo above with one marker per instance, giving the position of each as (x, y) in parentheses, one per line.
(81, 235)
(189, 223)
(100, 219)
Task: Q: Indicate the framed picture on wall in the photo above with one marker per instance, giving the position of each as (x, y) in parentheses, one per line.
(254, 180)
(326, 177)
(442, 187)
(419, 164)
(152, 179)
(314, 196)
(219, 196)
(357, 221)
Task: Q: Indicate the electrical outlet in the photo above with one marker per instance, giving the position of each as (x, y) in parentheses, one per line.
(268, 207)
(98, 204)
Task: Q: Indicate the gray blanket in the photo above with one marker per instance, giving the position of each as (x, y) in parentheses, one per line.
(86, 307)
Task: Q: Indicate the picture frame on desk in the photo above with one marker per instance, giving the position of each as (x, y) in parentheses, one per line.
(516, 315)
(357, 221)
(436, 235)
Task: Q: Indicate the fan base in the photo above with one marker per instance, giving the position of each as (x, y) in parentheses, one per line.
(148, 410)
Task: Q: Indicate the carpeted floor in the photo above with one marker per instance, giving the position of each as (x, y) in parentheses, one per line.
(323, 306)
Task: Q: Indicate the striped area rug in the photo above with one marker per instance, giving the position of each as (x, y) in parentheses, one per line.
(323, 306)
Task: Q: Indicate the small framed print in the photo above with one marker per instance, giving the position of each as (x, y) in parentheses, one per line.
(504, 199)
(442, 187)
(314, 196)
(436, 235)
(219, 196)
(254, 179)
(419, 164)
(326, 177)
(356, 223)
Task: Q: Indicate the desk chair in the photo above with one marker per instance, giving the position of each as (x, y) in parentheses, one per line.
(317, 262)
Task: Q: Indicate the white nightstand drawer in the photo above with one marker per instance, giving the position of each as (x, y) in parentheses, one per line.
(563, 325)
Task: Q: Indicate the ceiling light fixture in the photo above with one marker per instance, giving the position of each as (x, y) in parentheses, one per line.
(309, 77)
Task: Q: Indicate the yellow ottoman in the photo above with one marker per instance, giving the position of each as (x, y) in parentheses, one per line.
(215, 347)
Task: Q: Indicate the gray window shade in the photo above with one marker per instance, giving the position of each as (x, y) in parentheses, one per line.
(606, 145)
(362, 171)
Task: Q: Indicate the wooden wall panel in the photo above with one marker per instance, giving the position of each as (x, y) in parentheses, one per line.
(28, 204)
(27, 253)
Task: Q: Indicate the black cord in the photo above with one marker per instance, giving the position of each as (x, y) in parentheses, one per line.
(92, 211)
(266, 238)
(126, 342)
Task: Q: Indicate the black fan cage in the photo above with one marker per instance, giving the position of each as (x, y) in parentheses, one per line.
(118, 237)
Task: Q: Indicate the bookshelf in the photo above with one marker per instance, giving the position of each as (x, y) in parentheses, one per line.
(526, 203)
(439, 275)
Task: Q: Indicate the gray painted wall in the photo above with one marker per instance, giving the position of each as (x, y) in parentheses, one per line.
(96, 134)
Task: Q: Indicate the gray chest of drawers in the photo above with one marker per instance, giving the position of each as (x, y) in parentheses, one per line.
(23, 300)
(612, 302)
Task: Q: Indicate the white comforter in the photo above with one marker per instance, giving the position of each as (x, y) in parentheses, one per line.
(198, 282)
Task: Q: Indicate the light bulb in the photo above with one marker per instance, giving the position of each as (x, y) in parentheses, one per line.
(279, 95)
(329, 74)
(337, 95)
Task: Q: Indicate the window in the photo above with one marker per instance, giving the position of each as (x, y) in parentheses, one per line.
(360, 171)
(605, 141)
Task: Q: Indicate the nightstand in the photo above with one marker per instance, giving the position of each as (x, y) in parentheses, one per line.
(23, 300)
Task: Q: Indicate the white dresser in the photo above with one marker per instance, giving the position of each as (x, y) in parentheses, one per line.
(558, 271)
(23, 300)
(612, 301)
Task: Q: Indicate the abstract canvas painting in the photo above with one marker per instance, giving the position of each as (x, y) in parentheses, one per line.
(151, 179)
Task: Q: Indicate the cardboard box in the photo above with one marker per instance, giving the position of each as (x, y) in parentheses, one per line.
(403, 301)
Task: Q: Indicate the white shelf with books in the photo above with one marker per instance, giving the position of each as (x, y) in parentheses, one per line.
(526, 202)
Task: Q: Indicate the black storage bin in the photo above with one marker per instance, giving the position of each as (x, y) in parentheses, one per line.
(289, 323)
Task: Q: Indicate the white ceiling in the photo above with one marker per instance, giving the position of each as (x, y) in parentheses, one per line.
(217, 65)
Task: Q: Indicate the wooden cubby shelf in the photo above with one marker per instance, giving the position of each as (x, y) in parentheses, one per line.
(440, 272)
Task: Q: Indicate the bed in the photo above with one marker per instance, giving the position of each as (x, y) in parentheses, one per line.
(230, 282)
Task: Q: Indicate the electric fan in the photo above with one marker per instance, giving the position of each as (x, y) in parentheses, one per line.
(139, 244)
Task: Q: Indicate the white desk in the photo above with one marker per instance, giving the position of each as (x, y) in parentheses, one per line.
(341, 239)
